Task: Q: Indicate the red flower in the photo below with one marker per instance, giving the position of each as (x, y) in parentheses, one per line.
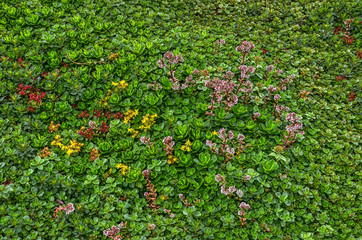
(45, 73)
(108, 114)
(104, 127)
(264, 51)
(348, 39)
(117, 115)
(359, 53)
(97, 113)
(84, 114)
(339, 78)
(336, 30)
(351, 97)
(31, 109)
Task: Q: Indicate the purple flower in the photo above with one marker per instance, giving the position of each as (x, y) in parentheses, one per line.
(251, 69)
(271, 89)
(224, 190)
(168, 141)
(69, 208)
(245, 47)
(240, 212)
(175, 86)
(279, 71)
(196, 72)
(239, 193)
(292, 117)
(219, 178)
(146, 172)
(152, 226)
(161, 63)
(277, 97)
(143, 139)
(232, 189)
(222, 133)
(169, 55)
(172, 215)
(121, 225)
(209, 143)
(241, 137)
(181, 196)
(269, 68)
(230, 150)
(222, 41)
(179, 58)
(230, 135)
(244, 205)
(243, 68)
(145, 194)
(247, 177)
(256, 115)
(92, 124)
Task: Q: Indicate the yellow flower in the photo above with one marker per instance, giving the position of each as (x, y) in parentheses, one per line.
(214, 133)
(187, 146)
(133, 132)
(123, 84)
(147, 121)
(115, 83)
(57, 137)
(123, 168)
(129, 115)
(172, 159)
(163, 197)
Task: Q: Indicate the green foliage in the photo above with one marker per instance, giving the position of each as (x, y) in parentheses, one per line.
(76, 52)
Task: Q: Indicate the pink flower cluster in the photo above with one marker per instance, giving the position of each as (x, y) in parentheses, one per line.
(245, 71)
(169, 143)
(243, 205)
(221, 41)
(151, 226)
(225, 149)
(346, 37)
(217, 45)
(222, 93)
(112, 233)
(255, 116)
(188, 82)
(245, 47)
(279, 109)
(145, 140)
(151, 196)
(184, 200)
(269, 68)
(68, 209)
(154, 85)
(227, 191)
(173, 59)
(169, 213)
(244, 84)
(285, 82)
(294, 127)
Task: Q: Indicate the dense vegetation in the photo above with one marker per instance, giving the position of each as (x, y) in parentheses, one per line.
(138, 119)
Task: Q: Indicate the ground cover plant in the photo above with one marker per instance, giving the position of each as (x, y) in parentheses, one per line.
(139, 119)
